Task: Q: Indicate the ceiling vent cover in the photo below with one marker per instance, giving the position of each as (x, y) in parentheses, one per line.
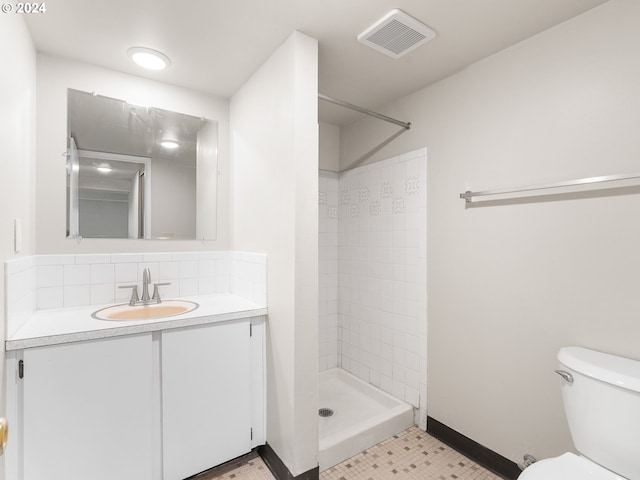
(396, 34)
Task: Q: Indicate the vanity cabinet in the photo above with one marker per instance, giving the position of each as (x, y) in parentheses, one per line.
(85, 405)
(206, 397)
(163, 405)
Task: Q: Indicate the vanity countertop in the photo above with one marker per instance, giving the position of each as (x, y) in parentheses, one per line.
(65, 325)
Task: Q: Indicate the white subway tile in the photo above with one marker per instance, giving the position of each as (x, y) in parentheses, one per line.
(168, 270)
(206, 285)
(49, 297)
(126, 273)
(91, 259)
(102, 273)
(19, 264)
(188, 287)
(101, 294)
(77, 295)
(126, 258)
(50, 276)
(411, 396)
(185, 256)
(77, 275)
(206, 268)
(189, 269)
(157, 257)
(55, 260)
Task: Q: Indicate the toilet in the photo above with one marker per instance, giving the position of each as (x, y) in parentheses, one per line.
(601, 395)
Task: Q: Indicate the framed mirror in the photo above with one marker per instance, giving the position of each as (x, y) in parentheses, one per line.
(139, 172)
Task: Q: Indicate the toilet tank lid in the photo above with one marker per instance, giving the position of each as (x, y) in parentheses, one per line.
(619, 371)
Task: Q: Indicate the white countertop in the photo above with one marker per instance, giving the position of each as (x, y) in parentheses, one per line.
(64, 325)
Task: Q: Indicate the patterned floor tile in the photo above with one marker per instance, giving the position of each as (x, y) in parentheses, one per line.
(410, 455)
(247, 467)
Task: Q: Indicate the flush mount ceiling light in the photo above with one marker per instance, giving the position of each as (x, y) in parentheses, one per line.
(104, 168)
(149, 58)
(396, 34)
(171, 144)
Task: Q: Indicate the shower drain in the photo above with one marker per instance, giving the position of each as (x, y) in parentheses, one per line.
(325, 412)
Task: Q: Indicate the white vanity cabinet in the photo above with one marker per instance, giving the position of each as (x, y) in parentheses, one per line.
(206, 397)
(86, 410)
(161, 405)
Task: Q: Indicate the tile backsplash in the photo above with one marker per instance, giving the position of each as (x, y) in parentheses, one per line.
(58, 281)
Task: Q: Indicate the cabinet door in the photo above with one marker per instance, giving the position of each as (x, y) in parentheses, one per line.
(87, 410)
(206, 397)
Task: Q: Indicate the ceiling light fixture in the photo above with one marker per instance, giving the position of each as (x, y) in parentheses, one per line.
(171, 144)
(104, 168)
(149, 58)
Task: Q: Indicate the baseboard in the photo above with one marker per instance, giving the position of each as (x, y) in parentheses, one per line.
(280, 470)
(478, 453)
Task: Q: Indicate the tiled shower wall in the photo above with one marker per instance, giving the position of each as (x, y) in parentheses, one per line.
(328, 269)
(382, 245)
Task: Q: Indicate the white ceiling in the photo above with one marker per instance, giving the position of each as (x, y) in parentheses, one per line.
(215, 45)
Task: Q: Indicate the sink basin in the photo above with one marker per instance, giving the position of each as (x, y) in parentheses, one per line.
(167, 308)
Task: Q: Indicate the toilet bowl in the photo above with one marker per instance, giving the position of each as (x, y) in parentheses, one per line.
(601, 396)
(568, 466)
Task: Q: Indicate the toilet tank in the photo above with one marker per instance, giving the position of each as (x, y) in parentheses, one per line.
(602, 405)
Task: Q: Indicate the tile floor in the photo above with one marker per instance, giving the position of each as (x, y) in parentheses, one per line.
(410, 455)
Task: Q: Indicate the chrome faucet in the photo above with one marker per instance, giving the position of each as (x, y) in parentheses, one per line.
(146, 299)
(146, 279)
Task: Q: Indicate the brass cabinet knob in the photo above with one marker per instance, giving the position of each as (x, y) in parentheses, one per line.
(4, 434)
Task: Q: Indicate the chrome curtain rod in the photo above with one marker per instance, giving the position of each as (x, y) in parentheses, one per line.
(351, 106)
(468, 195)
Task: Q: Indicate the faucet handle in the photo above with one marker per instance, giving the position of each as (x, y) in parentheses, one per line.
(156, 291)
(134, 293)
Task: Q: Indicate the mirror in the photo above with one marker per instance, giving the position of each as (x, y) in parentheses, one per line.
(139, 172)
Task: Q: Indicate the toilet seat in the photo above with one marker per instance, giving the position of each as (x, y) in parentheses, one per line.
(567, 466)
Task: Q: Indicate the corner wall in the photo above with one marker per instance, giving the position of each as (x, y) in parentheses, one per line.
(274, 193)
(510, 283)
(17, 154)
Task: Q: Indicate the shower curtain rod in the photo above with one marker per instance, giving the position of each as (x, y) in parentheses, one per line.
(351, 106)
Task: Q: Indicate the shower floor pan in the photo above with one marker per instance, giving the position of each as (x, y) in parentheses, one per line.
(363, 416)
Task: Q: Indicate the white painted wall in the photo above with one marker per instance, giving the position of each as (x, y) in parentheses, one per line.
(509, 284)
(329, 149)
(55, 75)
(17, 154)
(275, 210)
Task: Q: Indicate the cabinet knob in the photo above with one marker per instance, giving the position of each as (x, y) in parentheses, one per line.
(4, 434)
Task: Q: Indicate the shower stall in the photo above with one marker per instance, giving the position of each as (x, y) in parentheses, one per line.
(372, 303)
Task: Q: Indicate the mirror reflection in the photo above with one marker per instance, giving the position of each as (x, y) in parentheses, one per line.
(139, 172)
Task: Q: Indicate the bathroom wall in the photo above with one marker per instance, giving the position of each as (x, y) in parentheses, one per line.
(329, 147)
(512, 282)
(17, 154)
(54, 76)
(274, 195)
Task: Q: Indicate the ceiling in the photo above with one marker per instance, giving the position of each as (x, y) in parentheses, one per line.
(215, 45)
